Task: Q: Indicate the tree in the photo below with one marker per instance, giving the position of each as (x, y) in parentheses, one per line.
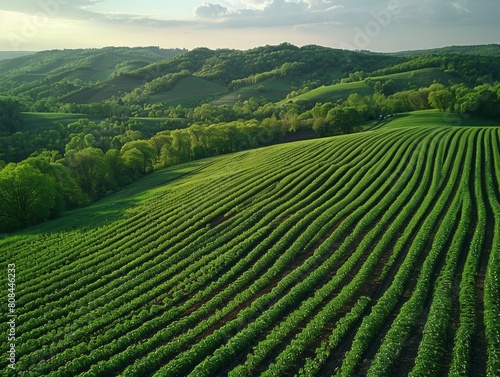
(26, 196)
(441, 99)
(147, 155)
(68, 193)
(89, 169)
(133, 160)
(419, 100)
(342, 120)
(10, 116)
(389, 87)
(117, 167)
(160, 141)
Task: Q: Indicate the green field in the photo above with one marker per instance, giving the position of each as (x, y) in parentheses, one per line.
(332, 93)
(99, 93)
(433, 118)
(33, 121)
(187, 91)
(403, 81)
(272, 90)
(374, 254)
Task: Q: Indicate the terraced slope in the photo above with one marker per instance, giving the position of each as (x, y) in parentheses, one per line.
(376, 253)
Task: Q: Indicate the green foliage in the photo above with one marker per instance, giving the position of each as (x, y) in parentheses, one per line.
(472, 69)
(10, 116)
(27, 196)
(139, 156)
(90, 170)
(339, 120)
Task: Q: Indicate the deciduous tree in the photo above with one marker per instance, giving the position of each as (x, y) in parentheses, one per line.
(26, 196)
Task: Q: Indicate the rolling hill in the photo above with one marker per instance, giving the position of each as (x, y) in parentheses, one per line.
(402, 81)
(366, 254)
(14, 54)
(73, 70)
(483, 50)
(269, 72)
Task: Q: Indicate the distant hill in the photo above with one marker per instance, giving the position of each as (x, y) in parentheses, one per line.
(4, 55)
(145, 75)
(402, 81)
(57, 73)
(105, 59)
(485, 50)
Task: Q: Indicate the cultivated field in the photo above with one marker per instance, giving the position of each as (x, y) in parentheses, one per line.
(368, 254)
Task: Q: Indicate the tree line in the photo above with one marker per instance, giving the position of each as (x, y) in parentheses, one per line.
(49, 182)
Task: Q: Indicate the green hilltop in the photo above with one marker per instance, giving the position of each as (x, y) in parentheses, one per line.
(273, 73)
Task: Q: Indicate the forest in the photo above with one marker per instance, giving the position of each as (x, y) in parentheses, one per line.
(120, 117)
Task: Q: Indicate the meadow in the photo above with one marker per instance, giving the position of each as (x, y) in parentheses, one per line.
(375, 253)
(402, 81)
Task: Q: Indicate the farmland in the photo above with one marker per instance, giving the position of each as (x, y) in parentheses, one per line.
(375, 253)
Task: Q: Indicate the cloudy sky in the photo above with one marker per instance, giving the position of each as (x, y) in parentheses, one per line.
(389, 25)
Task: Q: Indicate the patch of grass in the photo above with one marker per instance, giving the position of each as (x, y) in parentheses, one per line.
(272, 90)
(36, 120)
(433, 118)
(403, 81)
(333, 93)
(186, 90)
(104, 91)
(418, 78)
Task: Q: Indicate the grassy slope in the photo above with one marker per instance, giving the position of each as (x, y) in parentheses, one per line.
(105, 90)
(187, 90)
(436, 118)
(272, 90)
(404, 81)
(184, 92)
(35, 120)
(176, 196)
(117, 206)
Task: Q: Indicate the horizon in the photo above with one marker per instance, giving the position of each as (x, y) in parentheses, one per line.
(376, 26)
(240, 49)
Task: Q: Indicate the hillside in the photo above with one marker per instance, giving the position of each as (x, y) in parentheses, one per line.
(51, 61)
(401, 81)
(57, 73)
(484, 50)
(237, 71)
(372, 253)
(14, 54)
(143, 75)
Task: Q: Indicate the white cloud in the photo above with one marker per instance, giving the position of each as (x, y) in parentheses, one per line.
(246, 4)
(327, 22)
(210, 10)
(269, 13)
(460, 6)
